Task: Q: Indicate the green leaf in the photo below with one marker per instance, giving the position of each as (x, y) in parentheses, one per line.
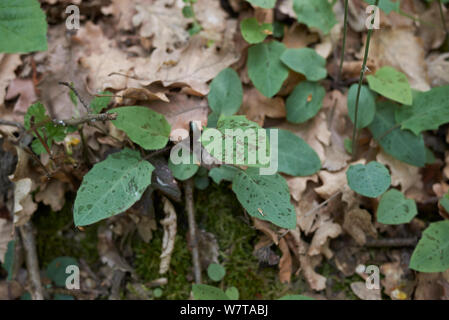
(369, 180)
(56, 270)
(111, 187)
(444, 202)
(254, 32)
(62, 297)
(99, 103)
(267, 4)
(295, 297)
(232, 293)
(391, 84)
(22, 26)
(143, 126)
(195, 29)
(265, 68)
(295, 156)
(266, 197)
(9, 258)
(216, 272)
(386, 5)
(367, 106)
(223, 172)
(394, 208)
(187, 12)
(432, 252)
(206, 292)
(304, 102)
(186, 169)
(400, 144)
(226, 93)
(316, 13)
(307, 62)
(430, 109)
(245, 137)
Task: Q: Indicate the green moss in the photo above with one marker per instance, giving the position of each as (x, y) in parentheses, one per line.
(57, 236)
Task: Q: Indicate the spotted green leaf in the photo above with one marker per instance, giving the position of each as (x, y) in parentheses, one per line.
(391, 84)
(226, 93)
(267, 4)
(253, 31)
(56, 270)
(187, 168)
(304, 102)
(401, 144)
(207, 292)
(23, 27)
(307, 62)
(432, 252)
(370, 180)
(367, 106)
(266, 197)
(295, 156)
(265, 68)
(143, 126)
(316, 13)
(430, 109)
(111, 187)
(394, 208)
(223, 172)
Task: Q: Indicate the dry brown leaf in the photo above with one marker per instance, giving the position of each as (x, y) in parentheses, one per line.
(297, 36)
(52, 194)
(306, 204)
(438, 66)
(358, 224)
(6, 235)
(297, 185)
(360, 290)
(327, 229)
(8, 64)
(256, 106)
(285, 264)
(24, 206)
(427, 287)
(316, 281)
(168, 240)
(265, 227)
(397, 283)
(401, 49)
(141, 94)
(25, 90)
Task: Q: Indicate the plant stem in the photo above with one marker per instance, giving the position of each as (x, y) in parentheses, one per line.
(362, 75)
(188, 188)
(343, 46)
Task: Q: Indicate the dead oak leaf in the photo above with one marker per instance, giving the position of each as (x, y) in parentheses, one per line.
(8, 64)
(357, 223)
(256, 106)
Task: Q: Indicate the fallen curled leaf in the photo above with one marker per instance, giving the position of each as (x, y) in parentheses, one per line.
(328, 229)
(358, 224)
(8, 64)
(285, 264)
(24, 205)
(24, 89)
(168, 240)
(52, 194)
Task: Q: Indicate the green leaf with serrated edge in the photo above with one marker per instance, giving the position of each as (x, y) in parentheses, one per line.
(143, 126)
(247, 138)
(386, 5)
(187, 168)
(232, 293)
(9, 258)
(307, 62)
(304, 102)
(111, 187)
(400, 144)
(267, 4)
(101, 101)
(295, 156)
(265, 68)
(216, 272)
(316, 13)
(430, 109)
(223, 172)
(23, 27)
(206, 292)
(394, 208)
(367, 106)
(226, 93)
(265, 197)
(432, 252)
(370, 180)
(391, 84)
(253, 31)
(56, 270)
(295, 297)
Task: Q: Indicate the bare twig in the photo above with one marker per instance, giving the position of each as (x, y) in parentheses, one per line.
(87, 118)
(322, 204)
(391, 242)
(76, 93)
(29, 244)
(192, 230)
(11, 124)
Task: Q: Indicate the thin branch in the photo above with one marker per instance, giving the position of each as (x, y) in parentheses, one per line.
(29, 244)
(86, 118)
(343, 47)
(192, 229)
(362, 75)
(77, 94)
(11, 124)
